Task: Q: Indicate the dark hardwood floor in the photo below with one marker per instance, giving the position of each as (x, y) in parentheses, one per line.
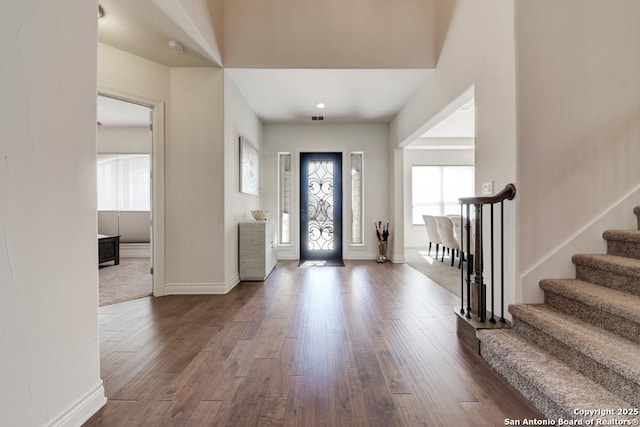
(362, 345)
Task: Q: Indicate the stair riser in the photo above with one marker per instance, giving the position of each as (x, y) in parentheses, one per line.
(609, 279)
(540, 400)
(625, 249)
(609, 379)
(609, 321)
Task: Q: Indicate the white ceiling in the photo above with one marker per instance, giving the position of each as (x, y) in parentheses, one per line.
(459, 124)
(115, 113)
(291, 95)
(144, 28)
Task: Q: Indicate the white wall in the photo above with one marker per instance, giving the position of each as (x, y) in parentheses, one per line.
(578, 126)
(194, 185)
(131, 77)
(116, 140)
(416, 235)
(49, 347)
(194, 162)
(239, 120)
(478, 52)
(372, 139)
(329, 34)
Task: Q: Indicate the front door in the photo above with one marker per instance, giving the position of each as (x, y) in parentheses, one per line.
(321, 206)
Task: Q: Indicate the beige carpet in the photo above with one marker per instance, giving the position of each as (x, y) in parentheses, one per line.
(440, 272)
(129, 280)
(580, 349)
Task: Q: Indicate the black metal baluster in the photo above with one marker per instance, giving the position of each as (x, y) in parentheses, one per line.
(480, 279)
(477, 291)
(462, 226)
(502, 262)
(492, 320)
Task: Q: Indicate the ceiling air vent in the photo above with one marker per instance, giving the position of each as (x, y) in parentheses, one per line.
(314, 118)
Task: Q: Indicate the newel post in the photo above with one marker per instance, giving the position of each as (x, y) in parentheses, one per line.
(478, 287)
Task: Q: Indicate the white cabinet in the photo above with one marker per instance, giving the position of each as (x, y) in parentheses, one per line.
(258, 249)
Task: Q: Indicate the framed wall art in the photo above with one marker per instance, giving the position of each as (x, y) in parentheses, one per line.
(249, 167)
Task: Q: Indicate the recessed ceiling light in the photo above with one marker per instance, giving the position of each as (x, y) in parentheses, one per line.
(320, 105)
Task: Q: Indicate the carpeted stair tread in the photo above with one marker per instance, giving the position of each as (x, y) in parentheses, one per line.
(611, 353)
(552, 386)
(581, 348)
(625, 243)
(613, 263)
(632, 236)
(605, 299)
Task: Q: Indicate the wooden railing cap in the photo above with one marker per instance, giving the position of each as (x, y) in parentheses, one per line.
(507, 193)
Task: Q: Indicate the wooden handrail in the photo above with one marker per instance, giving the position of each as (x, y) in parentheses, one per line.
(507, 193)
(476, 292)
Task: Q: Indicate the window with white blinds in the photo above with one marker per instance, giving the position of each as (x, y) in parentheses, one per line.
(435, 190)
(124, 182)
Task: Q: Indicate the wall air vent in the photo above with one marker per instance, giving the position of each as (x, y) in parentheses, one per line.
(314, 118)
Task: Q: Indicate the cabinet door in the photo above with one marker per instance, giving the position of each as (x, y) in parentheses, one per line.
(252, 251)
(271, 250)
(257, 250)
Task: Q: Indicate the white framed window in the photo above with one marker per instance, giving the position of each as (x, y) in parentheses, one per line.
(284, 198)
(435, 190)
(357, 198)
(124, 182)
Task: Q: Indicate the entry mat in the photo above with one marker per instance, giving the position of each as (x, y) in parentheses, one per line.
(321, 263)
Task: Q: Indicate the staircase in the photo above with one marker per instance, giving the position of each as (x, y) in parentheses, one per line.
(580, 350)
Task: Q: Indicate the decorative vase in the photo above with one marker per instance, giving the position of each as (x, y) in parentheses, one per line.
(382, 251)
(259, 214)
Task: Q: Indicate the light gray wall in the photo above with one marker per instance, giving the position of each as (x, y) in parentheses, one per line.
(331, 34)
(194, 162)
(578, 128)
(49, 346)
(478, 57)
(194, 185)
(372, 139)
(570, 144)
(239, 120)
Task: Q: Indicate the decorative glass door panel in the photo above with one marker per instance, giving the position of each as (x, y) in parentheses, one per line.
(320, 206)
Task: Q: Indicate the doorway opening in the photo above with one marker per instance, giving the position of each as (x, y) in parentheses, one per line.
(439, 169)
(320, 209)
(126, 143)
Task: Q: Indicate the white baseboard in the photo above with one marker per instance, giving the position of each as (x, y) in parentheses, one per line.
(83, 409)
(398, 260)
(416, 245)
(362, 256)
(135, 250)
(201, 288)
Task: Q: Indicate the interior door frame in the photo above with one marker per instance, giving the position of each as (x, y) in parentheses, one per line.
(157, 184)
(338, 213)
